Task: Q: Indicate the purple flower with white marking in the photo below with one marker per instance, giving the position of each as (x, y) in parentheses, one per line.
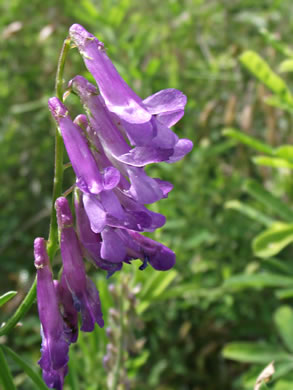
(55, 340)
(84, 293)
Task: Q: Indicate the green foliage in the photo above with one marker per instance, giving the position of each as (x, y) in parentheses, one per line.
(277, 236)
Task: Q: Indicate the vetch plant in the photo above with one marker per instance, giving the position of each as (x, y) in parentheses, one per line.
(108, 145)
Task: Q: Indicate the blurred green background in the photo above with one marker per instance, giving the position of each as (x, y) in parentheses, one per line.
(192, 45)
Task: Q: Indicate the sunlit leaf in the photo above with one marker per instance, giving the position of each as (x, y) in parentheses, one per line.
(260, 69)
(6, 297)
(283, 318)
(286, 66)
(278, 102)
(248, 140)
(258, 281)
(279, 207)
(284, 293)
(285, 151)
(273, 240)
(273, 162)
(249, 211)
(249, 352)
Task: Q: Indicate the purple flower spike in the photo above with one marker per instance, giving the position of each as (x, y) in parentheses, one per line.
(89, 179)
(84, 294)
(119, 97)
(55, 343)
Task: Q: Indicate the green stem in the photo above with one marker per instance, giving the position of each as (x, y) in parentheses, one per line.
(5, 373)
(59, 149)
(57, 191)
(21, 310)
(119, 360)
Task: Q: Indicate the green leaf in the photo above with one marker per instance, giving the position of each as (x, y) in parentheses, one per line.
(5, 374)
(273, 240)
(273, 162)
(283, 368)
(249, 211)
(284, 293)
(35, 377)
(286, 66)
(258, 281)
(285, 151)
(284, 384)
(260, 69)
(272, 202)
(277, 101)
(283, 318)
(6, 297)
(248, 140)
(154, 288)
(263, 386)
(249, 352)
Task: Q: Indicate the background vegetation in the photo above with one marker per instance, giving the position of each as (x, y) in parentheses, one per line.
(226, 300)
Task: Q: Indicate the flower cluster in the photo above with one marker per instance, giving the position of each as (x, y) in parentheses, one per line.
(108, 149)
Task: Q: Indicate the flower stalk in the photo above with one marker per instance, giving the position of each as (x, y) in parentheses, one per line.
(57, 191)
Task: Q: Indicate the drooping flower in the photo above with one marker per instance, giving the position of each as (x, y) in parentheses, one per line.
(84, 293)
(55, 340)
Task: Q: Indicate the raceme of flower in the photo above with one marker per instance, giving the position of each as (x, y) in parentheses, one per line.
(109, 146)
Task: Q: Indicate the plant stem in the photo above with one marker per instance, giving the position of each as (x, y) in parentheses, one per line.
(117, 368)
(59, 148)
(21, 310)
(5, 373)
(57, 191)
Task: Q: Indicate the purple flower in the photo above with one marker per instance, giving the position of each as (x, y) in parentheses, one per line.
(55, 341)
(107, 137)
(67, 310)
(141, 247)
(91, 241)
(147, 122)
(89, 178)
(118, 96)
(84, 293)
